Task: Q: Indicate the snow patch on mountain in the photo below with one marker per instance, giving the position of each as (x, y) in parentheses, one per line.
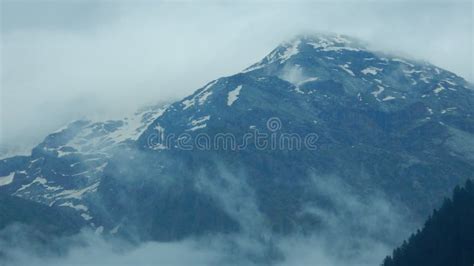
(6, 180)
(345, 67)
(402, 61)
(371, 70)
(86, 216)
(290, 51)
(233, 95)
(333, 43)
(439, 89)
(450, 82)
(378, 92)
(307, 80)
(388, 98)
(200, 97)
(95, 137)
(38, 180)
(78, 207)
(78, 194)
(254, 67)
(200, 120)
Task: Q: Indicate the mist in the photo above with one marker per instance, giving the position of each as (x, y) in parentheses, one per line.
(70, 60)
(357, 231)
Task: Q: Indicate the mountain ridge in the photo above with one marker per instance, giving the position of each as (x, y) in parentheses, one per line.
(384, 124)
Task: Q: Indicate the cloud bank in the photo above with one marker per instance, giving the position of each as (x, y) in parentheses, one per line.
(355, 231)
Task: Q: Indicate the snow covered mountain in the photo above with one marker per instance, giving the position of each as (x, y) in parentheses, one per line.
(69, 163)
(384, 125)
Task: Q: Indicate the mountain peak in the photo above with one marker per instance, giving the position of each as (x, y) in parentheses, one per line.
(379, 124)
(327, 42)
(308, 45)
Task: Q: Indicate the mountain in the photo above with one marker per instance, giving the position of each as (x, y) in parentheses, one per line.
(331, 109)
(69, 163)
(43, 219)
(447, 238)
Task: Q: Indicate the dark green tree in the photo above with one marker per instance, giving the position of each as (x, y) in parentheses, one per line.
(447, 237)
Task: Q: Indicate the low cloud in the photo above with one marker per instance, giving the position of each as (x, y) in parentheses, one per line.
(355, 230)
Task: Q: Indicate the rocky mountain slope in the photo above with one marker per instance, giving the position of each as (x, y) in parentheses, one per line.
(381, 125)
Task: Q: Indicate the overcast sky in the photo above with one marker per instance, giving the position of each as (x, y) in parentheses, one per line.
(64, 60)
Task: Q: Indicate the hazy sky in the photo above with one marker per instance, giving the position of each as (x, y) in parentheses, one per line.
(64, 60)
